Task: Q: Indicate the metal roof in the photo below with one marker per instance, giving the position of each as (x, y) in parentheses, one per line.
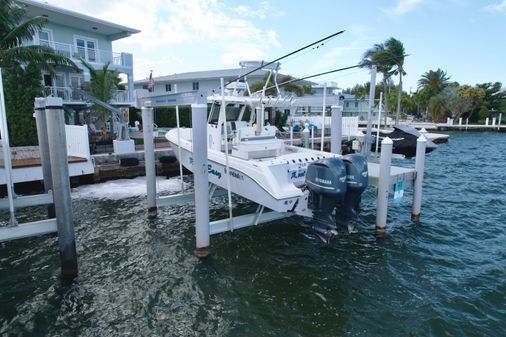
(76, 20)
(207, 74)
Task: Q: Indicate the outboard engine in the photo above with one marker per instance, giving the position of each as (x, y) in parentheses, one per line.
(326, 180)
(356, 181)
(335, 184)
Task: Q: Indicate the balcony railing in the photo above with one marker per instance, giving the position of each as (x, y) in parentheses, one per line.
(90, 54)
(69, 95)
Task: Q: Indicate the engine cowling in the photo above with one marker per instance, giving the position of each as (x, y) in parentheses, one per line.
(336, 184)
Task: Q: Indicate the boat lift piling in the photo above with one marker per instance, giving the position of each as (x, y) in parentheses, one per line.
(336, 125)
(149, 158)
(421, 144)
(61, 186)
(372, 92)
(383, 184)
(201, 179)
(45, 160)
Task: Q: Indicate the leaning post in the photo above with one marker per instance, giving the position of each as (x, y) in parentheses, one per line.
(40, 121)
(201, 179)
(336, 126)
(421, 144)
(55, 119)
(149, 159)
(383, 184)
(499, 122)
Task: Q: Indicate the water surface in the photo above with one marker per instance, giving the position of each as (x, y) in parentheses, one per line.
(443, 277)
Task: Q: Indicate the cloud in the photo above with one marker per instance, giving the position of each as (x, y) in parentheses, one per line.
(405, 6)
(497, 8)
(185, 35)
(262, 11)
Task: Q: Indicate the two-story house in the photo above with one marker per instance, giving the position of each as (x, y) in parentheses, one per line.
(78, 36)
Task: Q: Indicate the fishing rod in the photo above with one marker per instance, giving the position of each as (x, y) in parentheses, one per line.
(285, 56)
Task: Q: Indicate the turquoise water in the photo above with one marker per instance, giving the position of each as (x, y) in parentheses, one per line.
(443, 277)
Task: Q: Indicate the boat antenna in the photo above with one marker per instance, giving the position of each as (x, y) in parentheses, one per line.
(285, 56)
(314, 75)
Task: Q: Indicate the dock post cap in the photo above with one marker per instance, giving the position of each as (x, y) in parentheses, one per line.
(386, 141)
(421, 138)
(40, 102)
(54, 101)
(423, 131)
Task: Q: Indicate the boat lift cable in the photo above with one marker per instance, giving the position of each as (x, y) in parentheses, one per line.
(223, 116)
(284, 56)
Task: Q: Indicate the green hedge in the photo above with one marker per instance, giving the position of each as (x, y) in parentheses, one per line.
(21, 86)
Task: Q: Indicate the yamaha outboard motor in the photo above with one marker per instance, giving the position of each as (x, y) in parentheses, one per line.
(356, 181)
(326, 180)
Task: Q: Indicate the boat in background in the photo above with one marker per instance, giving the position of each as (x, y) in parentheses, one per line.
(404, 139)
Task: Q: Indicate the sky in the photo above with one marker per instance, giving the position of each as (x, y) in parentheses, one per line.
(465, 38)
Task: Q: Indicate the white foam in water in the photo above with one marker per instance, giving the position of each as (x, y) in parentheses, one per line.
(124, 188)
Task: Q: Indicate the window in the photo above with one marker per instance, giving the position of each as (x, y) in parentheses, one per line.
(45, 38)
(145, 87)
(356, 104)
(86, 48)
(76, 80)
(168, 87)
(195, 85)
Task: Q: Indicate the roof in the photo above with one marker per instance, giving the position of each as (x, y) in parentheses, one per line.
(207, 74)
(76, 20)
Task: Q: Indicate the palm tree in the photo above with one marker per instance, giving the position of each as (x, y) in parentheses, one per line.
(378, 55)
(396, 52)
(434, 81)
(13, 31)
(103, 83)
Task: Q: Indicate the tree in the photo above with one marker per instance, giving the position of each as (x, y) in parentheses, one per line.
(395, 50)
(13, 31)
(103, 83)
(433, 82)
(378, 56)
(22, 65)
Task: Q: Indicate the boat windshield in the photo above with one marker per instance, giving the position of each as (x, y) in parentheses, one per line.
(234, 112)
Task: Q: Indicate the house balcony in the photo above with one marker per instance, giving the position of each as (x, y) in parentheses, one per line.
(122, 62)
(70, 96)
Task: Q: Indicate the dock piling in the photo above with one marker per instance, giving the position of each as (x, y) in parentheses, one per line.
(368, 137)
(421, 144)
(305, 135)
(41, 124)
(383, 184)
(61, 185)
(201, 179)
(499, 122)
(336, 132)
(149, 160)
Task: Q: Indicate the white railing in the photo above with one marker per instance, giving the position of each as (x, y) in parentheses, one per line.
(88, 54)
(77, 141)
(69, 94)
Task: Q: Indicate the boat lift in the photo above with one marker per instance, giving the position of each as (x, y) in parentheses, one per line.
(382, 175)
